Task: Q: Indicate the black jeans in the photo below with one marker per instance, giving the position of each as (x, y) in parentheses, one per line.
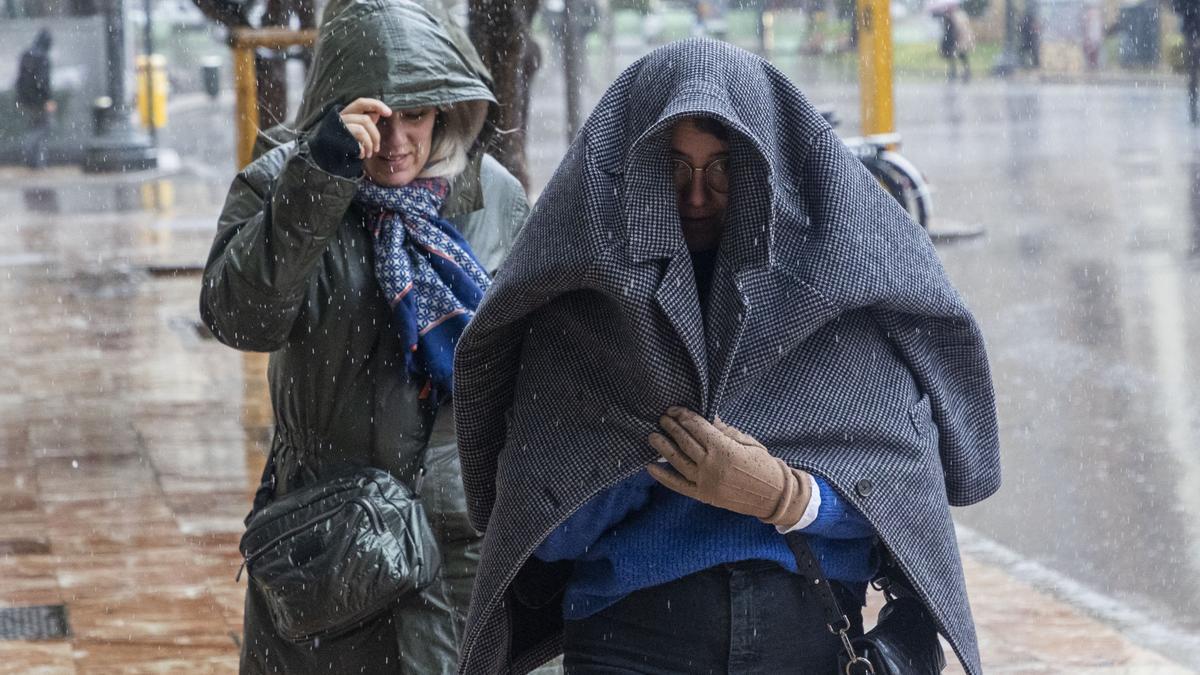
(37, 138)
(743, 618)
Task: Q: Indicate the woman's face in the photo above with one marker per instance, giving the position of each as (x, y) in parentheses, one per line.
(404, 140)
(700, 162)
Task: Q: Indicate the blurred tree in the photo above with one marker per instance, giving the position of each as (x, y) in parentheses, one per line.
(502, 31)
(975, 8)
(270, 66)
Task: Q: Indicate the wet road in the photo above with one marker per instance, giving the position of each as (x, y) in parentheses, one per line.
(1088, 286)
(1087, 283)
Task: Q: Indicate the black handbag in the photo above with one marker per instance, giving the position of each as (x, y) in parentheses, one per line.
(330, 556)
(904, 640)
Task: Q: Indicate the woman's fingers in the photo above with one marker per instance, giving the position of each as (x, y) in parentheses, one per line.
(735, 434)
(682, 463)
(365, 144)
(372, 107)
(672, 480)
(690, 446)
(368, 125)
(699, 429)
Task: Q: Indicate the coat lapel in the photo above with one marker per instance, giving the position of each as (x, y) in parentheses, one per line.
(765, 312)
(676, 297)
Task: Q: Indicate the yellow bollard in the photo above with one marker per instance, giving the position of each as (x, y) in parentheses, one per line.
(157, 71)
(875, 66)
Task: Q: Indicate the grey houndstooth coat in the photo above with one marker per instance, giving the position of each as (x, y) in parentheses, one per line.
(833, 336)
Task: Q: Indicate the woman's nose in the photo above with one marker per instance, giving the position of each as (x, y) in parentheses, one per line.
(394, 138)
(697, 190)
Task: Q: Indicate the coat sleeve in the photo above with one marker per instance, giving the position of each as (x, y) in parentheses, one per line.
(513, 205)
(280, 214)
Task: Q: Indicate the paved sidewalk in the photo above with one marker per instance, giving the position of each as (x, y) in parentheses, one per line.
(125, 468)
(1026, 630)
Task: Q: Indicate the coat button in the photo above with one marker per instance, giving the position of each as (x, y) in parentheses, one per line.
(864, 487)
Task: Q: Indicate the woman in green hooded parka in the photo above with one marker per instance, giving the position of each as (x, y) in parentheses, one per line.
(355, 253)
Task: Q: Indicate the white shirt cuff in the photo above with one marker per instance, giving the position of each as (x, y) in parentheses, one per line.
(810, 512)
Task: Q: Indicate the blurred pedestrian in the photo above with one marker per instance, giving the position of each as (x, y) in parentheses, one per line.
(715, 329)
(355, 254)
(708, 19)
(1029, 38)
(35, 98)
(1189, 27)
(957, 38)
(1093, 34)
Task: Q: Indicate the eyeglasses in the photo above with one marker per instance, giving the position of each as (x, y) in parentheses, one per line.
(716, 174)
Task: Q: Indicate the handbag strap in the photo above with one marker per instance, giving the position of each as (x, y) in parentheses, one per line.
(835, 619)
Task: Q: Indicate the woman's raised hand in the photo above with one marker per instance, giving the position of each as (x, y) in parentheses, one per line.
(361, 118)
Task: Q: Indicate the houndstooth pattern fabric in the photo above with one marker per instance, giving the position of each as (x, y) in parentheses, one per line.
(427, 271)
(833, 336)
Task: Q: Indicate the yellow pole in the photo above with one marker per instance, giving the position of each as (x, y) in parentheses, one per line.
(875, 66)
(245, 86)
(245, 80)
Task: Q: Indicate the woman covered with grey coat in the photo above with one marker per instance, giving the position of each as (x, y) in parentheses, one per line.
(829, 335)
(323, 258)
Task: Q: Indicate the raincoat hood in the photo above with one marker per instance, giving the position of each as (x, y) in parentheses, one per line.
(407, 54)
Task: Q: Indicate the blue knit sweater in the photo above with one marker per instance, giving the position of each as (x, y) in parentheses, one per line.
(639, 534)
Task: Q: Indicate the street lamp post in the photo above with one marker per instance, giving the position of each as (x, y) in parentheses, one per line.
(117, 145)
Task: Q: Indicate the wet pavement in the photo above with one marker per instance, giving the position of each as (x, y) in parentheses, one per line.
(127, 457)
(1088, 286)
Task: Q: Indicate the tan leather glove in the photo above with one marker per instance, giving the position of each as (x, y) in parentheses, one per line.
(721, 466)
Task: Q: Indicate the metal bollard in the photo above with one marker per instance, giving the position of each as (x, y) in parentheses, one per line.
(210, 69)
(152, 90)
(102, 109)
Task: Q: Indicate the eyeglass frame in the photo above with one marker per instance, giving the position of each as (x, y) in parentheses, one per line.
(702, 169)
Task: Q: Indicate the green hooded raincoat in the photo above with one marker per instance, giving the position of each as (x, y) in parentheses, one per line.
(291, 273)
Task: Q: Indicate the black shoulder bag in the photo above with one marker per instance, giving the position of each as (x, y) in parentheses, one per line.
(330, 556)
(904, 641)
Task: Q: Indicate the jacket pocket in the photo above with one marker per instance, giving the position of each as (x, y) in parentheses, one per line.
(921, 416)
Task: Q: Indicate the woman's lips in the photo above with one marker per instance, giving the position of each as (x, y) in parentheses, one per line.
(395, 164)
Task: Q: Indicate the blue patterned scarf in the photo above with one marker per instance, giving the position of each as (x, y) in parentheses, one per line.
(428, 274)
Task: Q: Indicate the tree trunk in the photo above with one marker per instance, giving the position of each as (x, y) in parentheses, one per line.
(270, 68)
(502, 33)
